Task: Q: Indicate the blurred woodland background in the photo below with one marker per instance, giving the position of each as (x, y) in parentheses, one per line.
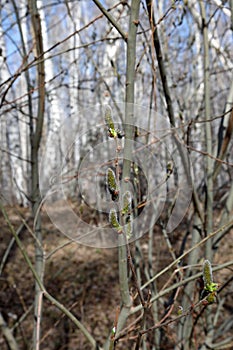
(61, 63)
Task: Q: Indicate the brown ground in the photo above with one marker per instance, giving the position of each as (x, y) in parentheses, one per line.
(84, 279)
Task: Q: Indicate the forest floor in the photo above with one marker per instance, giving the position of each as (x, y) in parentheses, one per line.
(82, 278)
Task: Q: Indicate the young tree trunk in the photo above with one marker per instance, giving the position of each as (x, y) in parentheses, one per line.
(129, 130)
(35, 139)
(209, 163)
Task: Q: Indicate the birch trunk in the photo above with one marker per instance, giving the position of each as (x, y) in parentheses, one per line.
(11, 139)
(5, 171)
(52, 157)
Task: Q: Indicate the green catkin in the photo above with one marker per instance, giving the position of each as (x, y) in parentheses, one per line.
(127, 203)
(111, 180)
(207, 273)
(108, 117)
(112, 184)
(109, 122)
(210, 288)
(209, 284)
(112, 131)
(113, 220)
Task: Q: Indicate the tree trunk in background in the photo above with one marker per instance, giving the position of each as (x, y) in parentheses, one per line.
(16, 163)
(52, 125)
(5, 171)
(25, 85)
(11, 159)
(74, 25)
(74, 12)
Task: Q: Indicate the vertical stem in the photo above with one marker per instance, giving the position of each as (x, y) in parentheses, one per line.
(209, 161)
(129, 130)
(35, 139)
(185, 328)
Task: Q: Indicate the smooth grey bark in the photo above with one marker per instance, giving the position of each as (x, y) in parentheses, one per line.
(129, 130)
(35, 140)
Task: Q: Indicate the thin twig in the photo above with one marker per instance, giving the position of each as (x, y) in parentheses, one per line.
(175, 262)
(7, 333)
(111, 19)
